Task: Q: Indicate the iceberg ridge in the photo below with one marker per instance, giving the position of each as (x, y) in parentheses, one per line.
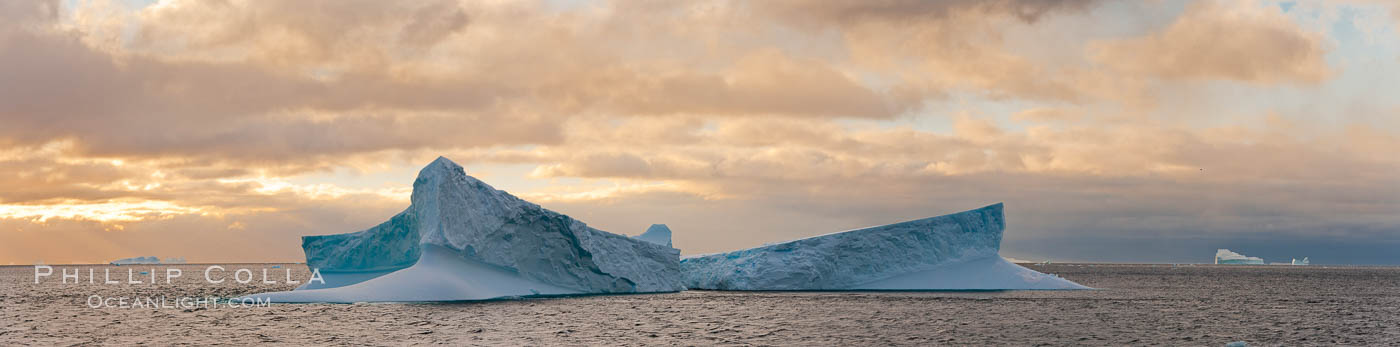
(952, 252)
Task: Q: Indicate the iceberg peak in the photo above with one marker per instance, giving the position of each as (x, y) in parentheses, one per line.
(439, 172)
(442, 162)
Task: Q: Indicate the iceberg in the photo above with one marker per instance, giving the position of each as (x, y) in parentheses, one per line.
(136, 261)
(1225, 256)
(658, 234)
(1301, 262)
(460, 239)
(952, 252)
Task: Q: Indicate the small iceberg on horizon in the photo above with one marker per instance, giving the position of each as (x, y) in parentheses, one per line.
(136, 261)
(658, 233)
(952, 252)
(1227, 257)
(148, 260)
(461, 239)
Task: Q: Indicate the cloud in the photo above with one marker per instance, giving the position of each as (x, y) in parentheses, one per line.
(1046, 114)
(306, 83)
(913, 11)
(29, 13)
(281, 82)
(1237, 41)
(765, 83)
(1087, 181)
(58, 88)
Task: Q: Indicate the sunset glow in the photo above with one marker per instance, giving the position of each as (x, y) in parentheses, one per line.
(736, 123)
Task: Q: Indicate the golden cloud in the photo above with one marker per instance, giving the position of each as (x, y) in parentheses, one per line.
(1228, 40)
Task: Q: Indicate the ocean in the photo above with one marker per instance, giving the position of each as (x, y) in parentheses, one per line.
(1188, 305)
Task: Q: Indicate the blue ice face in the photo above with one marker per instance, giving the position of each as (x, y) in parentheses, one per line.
(389, 246)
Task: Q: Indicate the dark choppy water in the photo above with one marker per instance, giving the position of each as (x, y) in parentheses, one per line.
(1140, 305)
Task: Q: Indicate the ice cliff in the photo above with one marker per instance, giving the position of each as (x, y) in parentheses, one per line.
(1225, 256)
(952, 252)
(461, 239)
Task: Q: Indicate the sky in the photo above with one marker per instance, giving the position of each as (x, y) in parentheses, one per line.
(1114, 131)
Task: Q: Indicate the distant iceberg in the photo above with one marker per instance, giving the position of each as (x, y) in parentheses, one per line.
(461, 239)
(1304, 261)
(136, 261)
(1225, 256)
(658, 234)
(952, 252)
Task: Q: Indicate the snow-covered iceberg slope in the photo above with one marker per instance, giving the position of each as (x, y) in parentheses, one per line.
(461, 239)
(952, 252)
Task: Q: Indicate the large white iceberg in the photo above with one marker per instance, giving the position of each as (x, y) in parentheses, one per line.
(1225, 256)
(953, 252)
(461, 239)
